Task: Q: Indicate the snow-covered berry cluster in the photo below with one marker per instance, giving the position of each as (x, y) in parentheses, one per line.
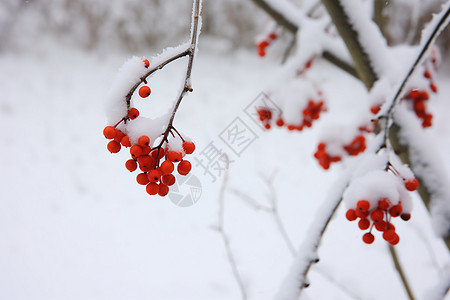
(309, 114)
(325, 158)
(156, 155)
(377, 197)
(418, 99)
(261, 45)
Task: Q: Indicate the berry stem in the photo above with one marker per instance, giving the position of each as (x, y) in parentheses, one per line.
(187, 80)
(150, 72)
(400, 272)
(176, 131)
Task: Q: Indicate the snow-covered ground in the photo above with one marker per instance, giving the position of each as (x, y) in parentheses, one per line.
(74, 224)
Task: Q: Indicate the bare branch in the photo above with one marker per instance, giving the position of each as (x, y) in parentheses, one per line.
(350, 36)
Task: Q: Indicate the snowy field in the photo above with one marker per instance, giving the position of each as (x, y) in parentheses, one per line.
(74, 224)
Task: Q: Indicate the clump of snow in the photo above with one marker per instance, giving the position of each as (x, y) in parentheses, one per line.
(140, 126)
(129, 75)
(374, 186)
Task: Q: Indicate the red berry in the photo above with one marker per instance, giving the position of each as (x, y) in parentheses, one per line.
(364, 224)
(412, 184)
(168, 179)
(167, 167)
(351, 215)
(390, 226)
(381, 225)
(146, 62)
(152, 188)
(144, 91)
(424, 95)
(267, 126)
(384, 204)
(188, 147)
(142, 179)
(368, 238)
(158, 152)
(136, 151)
(146, 163)
(154, 175)
(184, 167)
(146, 150)
(362, 213)
(420, 106)
(133, 113)
(163, 190)
(113, 147)
(131, 165)
(433, 87)
(363, 205)
(375, 109)
(273, 36)
(263, 44)
(405, 217)
(389, 235)
(280, 122)
(119, 136)
(377, 215)
(414, 94)
(395, 240)
(126, 141)
(427, 74)
(174, 156)
(144, 141)
(427, 120)
(395, 210)
(109, 132)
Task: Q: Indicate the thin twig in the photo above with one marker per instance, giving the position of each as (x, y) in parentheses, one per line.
(400, 272)
(250, 201)
(273, 200)
(150, 72)
(220, 229)
(187, 80)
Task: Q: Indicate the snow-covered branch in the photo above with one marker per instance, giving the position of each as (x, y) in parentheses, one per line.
(286, 16)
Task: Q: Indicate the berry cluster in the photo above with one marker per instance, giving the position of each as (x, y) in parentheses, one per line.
(262, 45)
(309, 114)
(355, 147)
(157, 163)
(419, 99)
(378, 217)
(378, 210)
